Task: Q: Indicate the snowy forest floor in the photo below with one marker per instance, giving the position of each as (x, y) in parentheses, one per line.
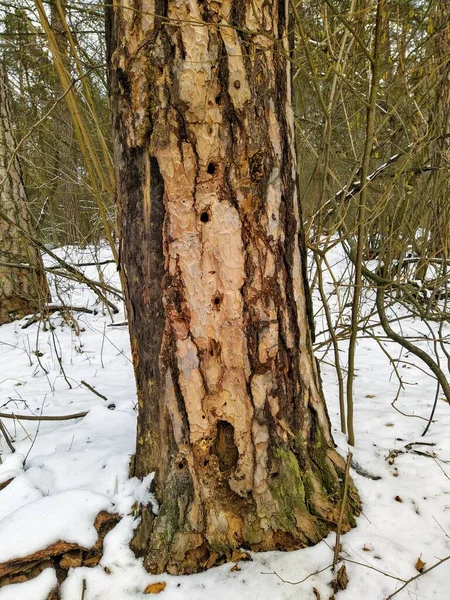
(64, 472)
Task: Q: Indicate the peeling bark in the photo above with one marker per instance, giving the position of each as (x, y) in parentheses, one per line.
(23, 285)
(231, 412)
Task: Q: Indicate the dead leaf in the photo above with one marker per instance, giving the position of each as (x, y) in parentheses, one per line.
(235, 567)
(420, 565)
(398, 499)
(370, 396)
(342, 578)
(316, 593)
(155, 588)
(366, 549)
(238, 555)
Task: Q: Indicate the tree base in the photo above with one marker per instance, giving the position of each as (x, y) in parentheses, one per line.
(186, 537)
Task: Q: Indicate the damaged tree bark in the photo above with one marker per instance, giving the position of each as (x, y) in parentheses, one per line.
(23, 285)
(231, 412)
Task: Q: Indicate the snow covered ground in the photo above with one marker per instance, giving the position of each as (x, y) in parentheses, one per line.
(64, 472)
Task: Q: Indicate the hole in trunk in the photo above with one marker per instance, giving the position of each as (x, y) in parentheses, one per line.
(215, 348)
(217, 300)
(211, 168)
(204, 217)
(224, 446)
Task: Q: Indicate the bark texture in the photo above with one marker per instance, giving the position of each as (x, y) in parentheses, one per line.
(23, 285)
(231, 413)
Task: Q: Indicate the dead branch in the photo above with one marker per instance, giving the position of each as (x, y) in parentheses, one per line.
(42, 417)
(93, 390)
(440, 562)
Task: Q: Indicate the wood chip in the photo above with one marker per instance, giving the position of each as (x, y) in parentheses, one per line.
(155, 588)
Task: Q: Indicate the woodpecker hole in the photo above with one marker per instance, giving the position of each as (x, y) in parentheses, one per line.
(217, 301)
(224, 447)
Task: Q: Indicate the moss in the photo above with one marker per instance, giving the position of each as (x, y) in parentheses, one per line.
(319, 456)
(288, 489)
(221, 548)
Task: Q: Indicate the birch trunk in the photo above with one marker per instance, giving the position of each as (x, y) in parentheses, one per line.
(23, 285)
(231, 413)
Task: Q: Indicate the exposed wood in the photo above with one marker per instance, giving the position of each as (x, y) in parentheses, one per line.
(231, 412)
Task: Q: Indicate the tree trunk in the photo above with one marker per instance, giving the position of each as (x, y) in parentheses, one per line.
(64, 208)
(23, 285)
(231, 413)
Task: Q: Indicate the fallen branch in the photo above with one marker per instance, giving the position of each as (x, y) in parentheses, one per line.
(6, 436)
(51, 308)
(93, 390)
(42, 417)
(302, 580)
(3, 484)
(121, 324)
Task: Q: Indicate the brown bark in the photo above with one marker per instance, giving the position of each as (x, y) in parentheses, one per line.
(231, 413)
(23, 285)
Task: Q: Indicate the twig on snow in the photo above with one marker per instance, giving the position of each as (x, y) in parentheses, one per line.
(440, 562)
(42, 417)
(93, 390)
(6, 436)
(302, 580)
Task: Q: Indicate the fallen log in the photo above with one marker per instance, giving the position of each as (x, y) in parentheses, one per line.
(61, 555)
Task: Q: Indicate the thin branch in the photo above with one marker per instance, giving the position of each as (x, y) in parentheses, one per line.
(93, 390)
(440, 562)
(79, 415)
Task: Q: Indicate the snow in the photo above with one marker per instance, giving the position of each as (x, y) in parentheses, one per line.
(67, 516)
(64, 472)
(36, 589)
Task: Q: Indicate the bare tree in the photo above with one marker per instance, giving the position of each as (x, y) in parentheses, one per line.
(231, 412)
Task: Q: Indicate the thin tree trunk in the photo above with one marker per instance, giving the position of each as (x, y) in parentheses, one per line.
(231, 412)
(64, 200)
(23, 285)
